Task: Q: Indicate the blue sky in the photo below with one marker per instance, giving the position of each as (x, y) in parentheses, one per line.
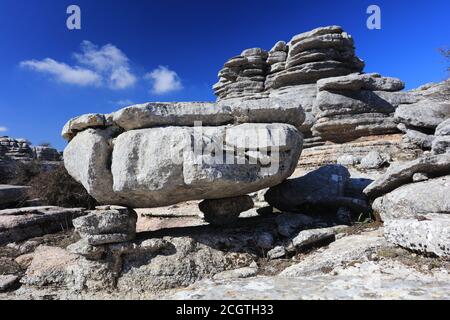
(138, 51)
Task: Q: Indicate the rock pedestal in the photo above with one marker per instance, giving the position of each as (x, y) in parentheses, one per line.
(107, 224)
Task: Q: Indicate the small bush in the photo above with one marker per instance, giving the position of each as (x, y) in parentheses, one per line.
(56, 187)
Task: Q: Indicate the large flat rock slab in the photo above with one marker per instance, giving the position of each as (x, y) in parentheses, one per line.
(357, 286)
(167, 165)
(24, 223)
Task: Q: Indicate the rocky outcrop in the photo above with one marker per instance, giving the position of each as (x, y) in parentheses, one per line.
(24, 223)
(289, 70)
(412, 200)
(154, 155)
(403, 173)
(419, 120)
(22, 150)
(357, 105)
(430, 233)
(415, 200)
(441, 141)
(107, 224)
(16, 149)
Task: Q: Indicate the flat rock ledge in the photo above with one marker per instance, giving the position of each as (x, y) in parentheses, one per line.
(24, 223)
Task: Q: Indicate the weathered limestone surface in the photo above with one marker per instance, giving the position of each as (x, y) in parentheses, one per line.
(108, 224)
(349, 107)
(416, 199)
(403, 173)
(430, 234)
(158, 166)
(24, 223)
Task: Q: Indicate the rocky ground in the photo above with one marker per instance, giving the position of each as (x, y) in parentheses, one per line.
(359, 264)
(239, 262)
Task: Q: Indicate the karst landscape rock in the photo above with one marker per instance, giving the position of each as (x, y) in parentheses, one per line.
(306, 177)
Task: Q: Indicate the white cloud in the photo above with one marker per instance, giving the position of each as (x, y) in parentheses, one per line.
(107, 66)
(109, 61)
(3, 129)
(164, 80)
(63, 72)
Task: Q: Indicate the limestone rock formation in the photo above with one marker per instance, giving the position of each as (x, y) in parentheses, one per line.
(430, 234)
(153, 155)
(21, 149)
(107, 224)
(357, 105)
(24, 223)
(289, 70)
(412, 200)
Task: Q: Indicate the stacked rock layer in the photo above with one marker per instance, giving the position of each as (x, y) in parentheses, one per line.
(290, 70)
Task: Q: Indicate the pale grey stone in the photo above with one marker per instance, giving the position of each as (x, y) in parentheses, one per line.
(102, 226)
(441, 144)
(417, 138)
(365, 281)
(429, 234)
(81, 123)
(158, 166)
(279, 46)
(175, 113)
(240, 273)
(87, 159)
(338, 253)
(315, 32)
(356, 82)
(443, 129)
(373, 160)
(182, 263)
(348, 160)
(29, 222)
(312, 236)
(266, 110)
(400, 174)
(423, 114)
(276, 253)
(58, 268)
(419, 176)
(82, 247)
(415, 199)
